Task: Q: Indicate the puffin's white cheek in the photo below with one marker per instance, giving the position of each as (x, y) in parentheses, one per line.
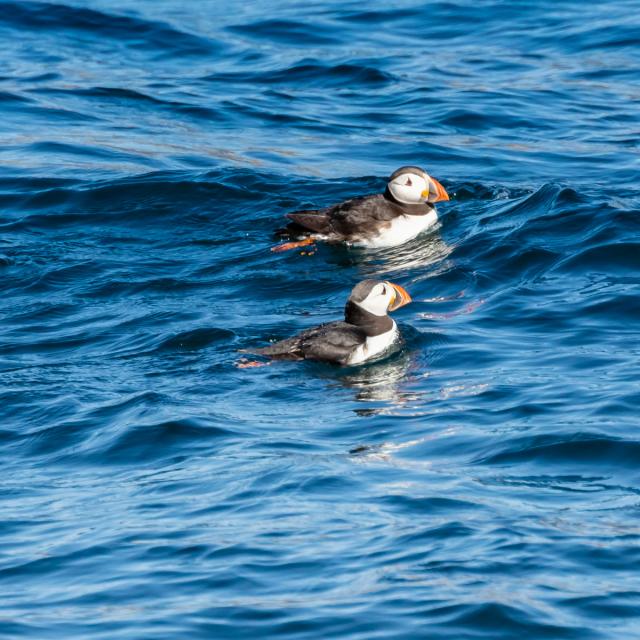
(409, 193)
(377, 305)
(383, 304)
(404, 193)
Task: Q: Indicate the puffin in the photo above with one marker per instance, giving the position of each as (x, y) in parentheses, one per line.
(366, 332)
(388, 219)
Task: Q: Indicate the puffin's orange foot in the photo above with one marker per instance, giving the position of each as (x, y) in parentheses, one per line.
(243, 363)
(292, 245)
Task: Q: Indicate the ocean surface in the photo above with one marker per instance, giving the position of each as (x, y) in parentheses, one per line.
(482, 483)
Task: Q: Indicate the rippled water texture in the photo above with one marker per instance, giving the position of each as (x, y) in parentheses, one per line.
(482, 483)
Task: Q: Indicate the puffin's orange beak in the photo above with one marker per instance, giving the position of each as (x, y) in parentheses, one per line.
(436, 191)
(400, 297)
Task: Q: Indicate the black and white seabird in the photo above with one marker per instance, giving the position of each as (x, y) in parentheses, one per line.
(386, 219)
(366, 332)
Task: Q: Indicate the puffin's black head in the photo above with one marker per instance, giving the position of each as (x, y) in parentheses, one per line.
(378, 297)
(413, 185)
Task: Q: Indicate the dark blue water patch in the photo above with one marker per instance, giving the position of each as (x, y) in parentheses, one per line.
(139, 443)
(286, 31)
(597, 606)
(7, 97)
(18, 184)
(616, 37)
(40, 77)
(381, 16)
(51, 115)
(311, 74)
(576, 450)
(136, 32)
(619, 258)
(59, 149)
(471, 120)
(196, 339)
(270, 117)
(109, 201)
(136, 99)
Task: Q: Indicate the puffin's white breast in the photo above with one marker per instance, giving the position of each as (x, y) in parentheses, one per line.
(401, 229)
(375, 345)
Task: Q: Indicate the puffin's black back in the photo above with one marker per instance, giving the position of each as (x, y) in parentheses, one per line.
(330, 342)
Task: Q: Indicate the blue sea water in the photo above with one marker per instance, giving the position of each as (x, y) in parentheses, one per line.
(482, 483)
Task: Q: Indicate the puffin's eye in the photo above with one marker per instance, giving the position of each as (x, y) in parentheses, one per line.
(384, 290)
(408, 183)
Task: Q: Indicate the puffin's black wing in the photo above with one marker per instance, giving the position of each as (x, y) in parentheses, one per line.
(288, 349)
(315, 220)
(331, 342)
(364, 216)
(352, 218)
